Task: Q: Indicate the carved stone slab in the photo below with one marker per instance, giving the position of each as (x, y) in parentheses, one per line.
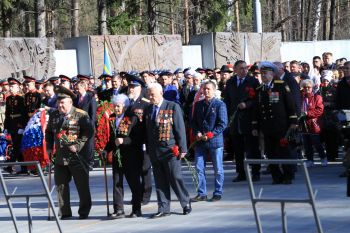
(137, 52)
(229, 47)
(27, 56)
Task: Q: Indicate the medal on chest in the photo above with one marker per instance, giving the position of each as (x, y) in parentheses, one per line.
(165, 120)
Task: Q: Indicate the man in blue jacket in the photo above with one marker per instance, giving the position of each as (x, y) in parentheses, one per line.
(208, 123)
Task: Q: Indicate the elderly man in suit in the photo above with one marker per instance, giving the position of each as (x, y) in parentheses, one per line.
(208, 123)
(165, 131)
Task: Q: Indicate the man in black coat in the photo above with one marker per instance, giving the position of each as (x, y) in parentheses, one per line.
(138, 105)
(342, 99)
(86, 101)
(238, 96)
(166, 132)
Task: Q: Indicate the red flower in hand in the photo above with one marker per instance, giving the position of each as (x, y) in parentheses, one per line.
(209, 135)
(175, 150)
(283, 142)
(8, 137)
(60, 134)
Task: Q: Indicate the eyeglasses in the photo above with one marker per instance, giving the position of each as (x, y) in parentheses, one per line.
(307, 87)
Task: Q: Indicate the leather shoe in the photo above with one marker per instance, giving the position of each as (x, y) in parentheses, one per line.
(198, 198)
(256, 177)
(187, 209)
(135, 214)
(160, 215)
(239, 178)
(215, 198)
(83, 216)
(66, 216)
(118, 214)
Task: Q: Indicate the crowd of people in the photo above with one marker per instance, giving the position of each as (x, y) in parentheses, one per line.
(159, 117)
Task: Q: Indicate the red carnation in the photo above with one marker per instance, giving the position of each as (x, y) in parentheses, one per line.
(8, 137)
(175, 150)
(283, 142)
(209, 135)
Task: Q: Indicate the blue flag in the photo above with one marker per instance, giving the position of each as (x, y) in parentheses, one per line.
(107, 69)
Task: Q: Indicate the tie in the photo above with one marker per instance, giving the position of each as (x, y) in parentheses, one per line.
(115, 92)
(239, 82)
(81, 99)
(154, 113)
(132, 102)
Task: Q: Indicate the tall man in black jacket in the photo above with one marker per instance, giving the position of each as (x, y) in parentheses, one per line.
(238, 96)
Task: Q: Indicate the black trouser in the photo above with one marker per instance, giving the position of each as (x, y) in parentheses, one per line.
(131, 167)
(16, 146)
(248, 145)
(146, 178)
(274, 150)
(63, 175)
(331, 139)
(168, 173)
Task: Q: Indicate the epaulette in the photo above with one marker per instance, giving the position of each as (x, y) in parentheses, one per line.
(80, 111)
(146, 100)
(278, 81)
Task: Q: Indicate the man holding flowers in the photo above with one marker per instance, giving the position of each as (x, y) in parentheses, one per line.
(209, 120)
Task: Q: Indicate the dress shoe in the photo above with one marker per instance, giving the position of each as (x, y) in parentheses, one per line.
(66, 216)
(256, 177)
(198, 198)
(160, 215)
(215, 198)
(187, 209)
(135, 214)
(118, 214)
(239, 178)
(83, 216)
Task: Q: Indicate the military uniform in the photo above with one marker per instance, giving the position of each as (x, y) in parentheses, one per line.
(274, 113)
(63, 131)
(15, 119)
(32, 102)
(138, 108)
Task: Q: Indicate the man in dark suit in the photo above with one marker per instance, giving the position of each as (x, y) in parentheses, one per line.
(166, 130)
(274, 114)
(138, 105)
(209, 116)
(239, 97)
(86, 101)
(32, 99)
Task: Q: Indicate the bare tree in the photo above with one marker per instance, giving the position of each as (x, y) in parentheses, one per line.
(40, 27)
(152, 21)
(75, 18)
(325, 23)
(238, 24)
(316, 25)
(102, 17)
(196, 17)
(187, 24)
(332, 20)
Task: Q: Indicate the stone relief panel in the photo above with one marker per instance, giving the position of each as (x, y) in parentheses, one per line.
(229, 47)
(137, 52)
(27, 56)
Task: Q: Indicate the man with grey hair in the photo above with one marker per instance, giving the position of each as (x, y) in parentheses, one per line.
(274, 114)
(166, 145)
(286, 76)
